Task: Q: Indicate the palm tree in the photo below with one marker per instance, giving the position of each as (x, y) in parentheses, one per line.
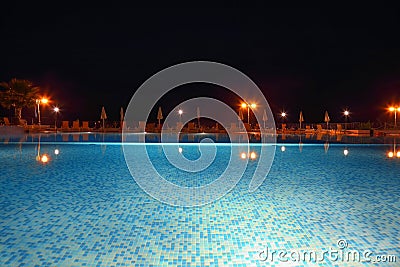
(18, 94)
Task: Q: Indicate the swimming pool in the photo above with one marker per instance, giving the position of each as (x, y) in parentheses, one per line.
(81, 207)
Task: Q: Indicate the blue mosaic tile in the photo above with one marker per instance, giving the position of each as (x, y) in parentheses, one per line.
(84, 209)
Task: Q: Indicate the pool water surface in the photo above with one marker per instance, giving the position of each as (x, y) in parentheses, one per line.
(82, 207)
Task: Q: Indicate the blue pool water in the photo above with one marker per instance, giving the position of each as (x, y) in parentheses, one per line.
(83, 208)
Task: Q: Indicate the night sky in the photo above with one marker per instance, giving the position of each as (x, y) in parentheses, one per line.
(302, 59)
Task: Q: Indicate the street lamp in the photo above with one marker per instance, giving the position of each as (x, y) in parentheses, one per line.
(56, 110)
(283, 116)
(38, 102)
(346, 114)
(180, 111)
(395, 110)
(248, 106)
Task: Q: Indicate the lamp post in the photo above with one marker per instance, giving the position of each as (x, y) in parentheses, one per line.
(248, 106)
(38, 102)
(180, 111)
(56, 110)
(346, 114)
(283, 116)
(395, 110)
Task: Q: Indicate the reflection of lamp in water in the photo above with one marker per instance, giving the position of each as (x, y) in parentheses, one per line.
(345, 151)
(251, 155)
(283, 148)
(394, 153)
(180, 150)
(38, 150)
(45, 158)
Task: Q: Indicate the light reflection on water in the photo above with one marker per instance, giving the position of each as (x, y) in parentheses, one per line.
(53, 143)
(86, 196)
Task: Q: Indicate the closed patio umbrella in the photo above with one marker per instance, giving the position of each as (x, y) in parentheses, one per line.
(159, 116)
(264, 117)
(121, 116)
(240, 117)
(327, 119)
(301, 118)
(198, 116)
(103, 115)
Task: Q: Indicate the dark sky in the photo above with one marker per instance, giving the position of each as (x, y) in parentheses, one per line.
(309, 59)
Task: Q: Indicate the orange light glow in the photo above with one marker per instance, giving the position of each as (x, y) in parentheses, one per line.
(253, 155)
(44, 100)
(44, 158)
(398, 154)
(391, 109)
(244, 105)
(390, 154)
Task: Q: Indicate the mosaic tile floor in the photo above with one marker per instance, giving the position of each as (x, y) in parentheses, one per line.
(83, 208)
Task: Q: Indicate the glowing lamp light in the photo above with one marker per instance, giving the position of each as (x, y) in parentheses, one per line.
(56, 109)
(44, 100)
(253, 155)
(346, 113)
(253, 105)
(283, 148)
(56, 151)
(244, 105)
(180, 111)
(45, 158)
(346, 152)
(391, 109)
(398, 154)
(283, 114)
(390, 154)
(180, 150)
(243, 156)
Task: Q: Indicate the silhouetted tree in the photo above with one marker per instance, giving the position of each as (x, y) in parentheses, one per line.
(17, 94)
